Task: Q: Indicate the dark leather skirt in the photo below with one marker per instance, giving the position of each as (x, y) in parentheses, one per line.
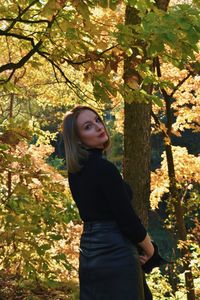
(109, 266)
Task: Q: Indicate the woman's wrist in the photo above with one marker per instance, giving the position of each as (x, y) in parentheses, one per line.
(147, 246)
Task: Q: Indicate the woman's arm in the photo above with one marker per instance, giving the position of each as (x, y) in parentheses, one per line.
(117, 199)
(148, 249)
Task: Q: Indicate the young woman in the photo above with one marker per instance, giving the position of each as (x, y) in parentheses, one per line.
(110, 267)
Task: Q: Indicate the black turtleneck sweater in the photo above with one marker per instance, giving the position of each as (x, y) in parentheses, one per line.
(101, 194)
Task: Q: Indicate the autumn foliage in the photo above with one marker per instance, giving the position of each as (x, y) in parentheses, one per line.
(55, 54)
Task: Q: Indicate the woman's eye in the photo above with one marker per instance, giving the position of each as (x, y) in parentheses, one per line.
(88, 126)
(98, 120)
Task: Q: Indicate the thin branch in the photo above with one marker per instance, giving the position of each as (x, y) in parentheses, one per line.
(21, 76)
(21, 14)
(15, 35)
(159, 124)
(25, 21)
(98, 57)
(103, 24)
(45, 83)
(179, 84)
(71, 84)
(71, 62)
(106, 50)
(167, 96)
(157, 66)
(9, 52)
(6, 95)
(21, 62)
(2, 81)
(55, 74)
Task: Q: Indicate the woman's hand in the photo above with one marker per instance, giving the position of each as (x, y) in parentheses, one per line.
(143, 258)
(148, 250)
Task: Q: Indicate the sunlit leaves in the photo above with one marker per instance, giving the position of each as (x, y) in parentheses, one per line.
(187, 174)
(125, 35)
(32, 212)
(52, 7)
(142, 6)
(87, 43)
(186, 107)
(178, 28)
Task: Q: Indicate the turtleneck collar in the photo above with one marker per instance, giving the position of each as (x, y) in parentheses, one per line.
(95, 151)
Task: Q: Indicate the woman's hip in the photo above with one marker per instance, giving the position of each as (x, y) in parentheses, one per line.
(109, 265)
(103, 245)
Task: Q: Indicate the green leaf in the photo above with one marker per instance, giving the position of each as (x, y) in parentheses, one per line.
(42, 249)
(157, 100)
(82, 9)
(125, 35)
(170, 37)
(68, 266)
(193, 36)
(59, 257)
(56, 237)
(4, 147)
(155, 48)
(183, 23)
(10, 219)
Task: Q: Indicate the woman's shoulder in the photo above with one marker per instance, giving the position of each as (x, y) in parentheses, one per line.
(106, 166)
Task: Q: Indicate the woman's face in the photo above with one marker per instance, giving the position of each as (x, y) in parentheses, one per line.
(91, 130)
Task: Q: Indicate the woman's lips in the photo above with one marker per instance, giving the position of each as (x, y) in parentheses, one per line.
(102, 134)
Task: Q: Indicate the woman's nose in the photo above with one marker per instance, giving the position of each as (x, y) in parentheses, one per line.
(98, 126)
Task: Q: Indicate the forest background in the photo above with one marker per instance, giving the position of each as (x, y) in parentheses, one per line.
(137, 64)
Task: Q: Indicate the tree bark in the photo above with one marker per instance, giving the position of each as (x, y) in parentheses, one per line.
(137, 124)
(137, 155)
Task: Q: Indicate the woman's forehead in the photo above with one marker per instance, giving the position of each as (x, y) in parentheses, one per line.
(86, 116)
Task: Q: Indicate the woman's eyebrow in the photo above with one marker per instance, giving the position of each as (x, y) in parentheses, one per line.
(86, 123)
(89, 121)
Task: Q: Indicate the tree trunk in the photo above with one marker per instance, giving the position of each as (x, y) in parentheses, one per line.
(175, 197)
(182, 233)
(174, 193)
(137, 155)
(137, 122)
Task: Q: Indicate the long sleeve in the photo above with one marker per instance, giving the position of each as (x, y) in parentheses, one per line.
(113, 188)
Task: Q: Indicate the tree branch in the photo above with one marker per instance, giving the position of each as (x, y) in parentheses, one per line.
(71, 84)
(9, 77)
(15, 35)
(97, 57)
(160, 125)
(25, 21)
(169, 96)
(23, 60)
(166, 97)
(179, 84)
(19, 64)
(20, 15)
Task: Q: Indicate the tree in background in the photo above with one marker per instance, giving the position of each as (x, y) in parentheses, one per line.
(178, 173)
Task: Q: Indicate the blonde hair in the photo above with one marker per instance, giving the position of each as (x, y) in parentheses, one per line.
(75, 151)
